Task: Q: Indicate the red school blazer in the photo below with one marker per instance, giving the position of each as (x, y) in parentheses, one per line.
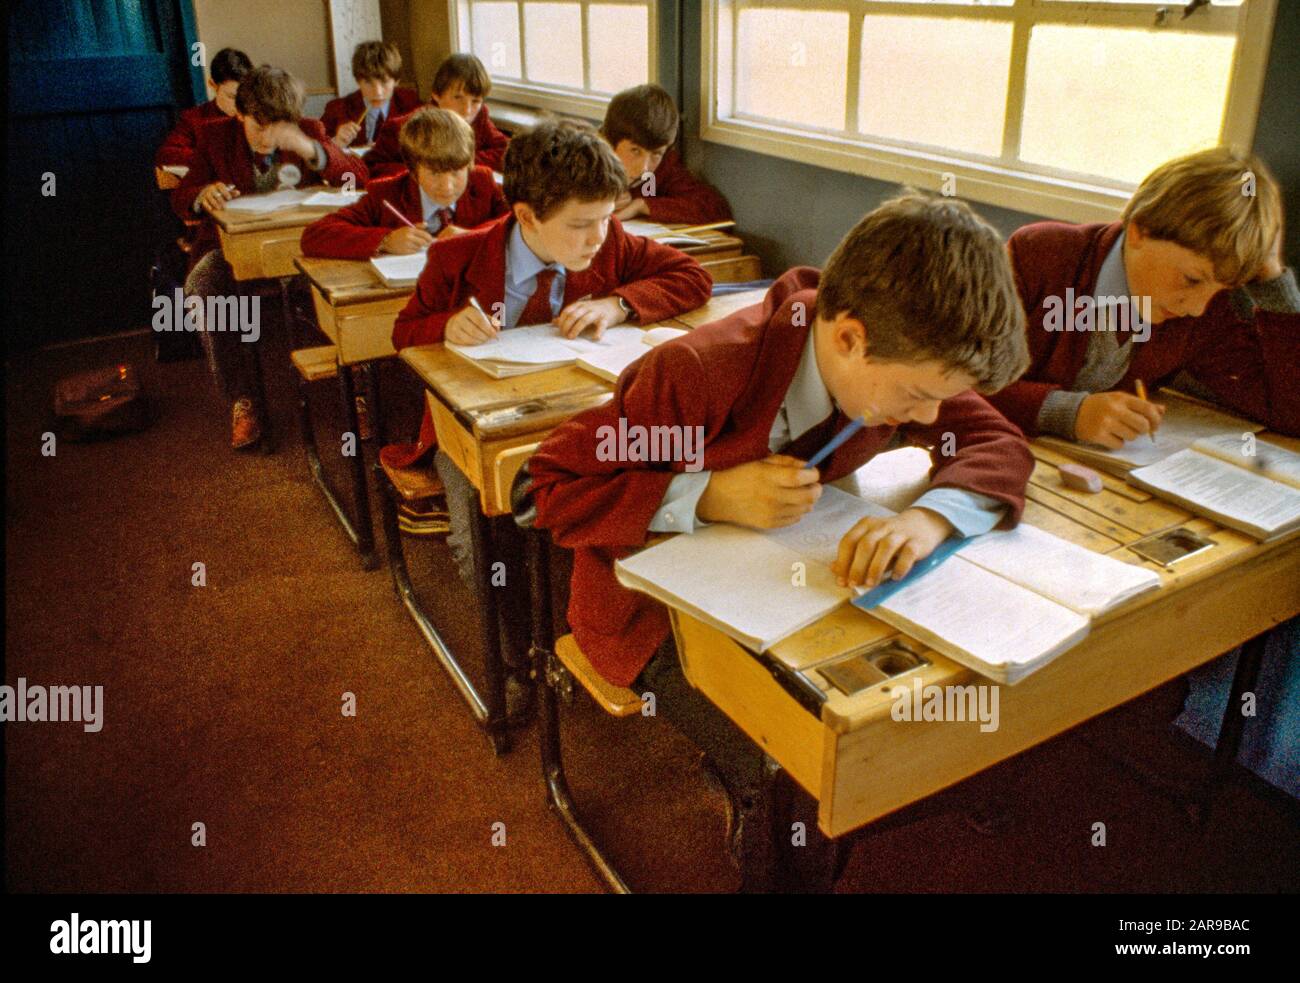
(1248, 361)
(346, 109)
(223, 154)
(730, 377)
(657, 282)
(679, 196)
(355, 232)
(177, 148)
(385, 157)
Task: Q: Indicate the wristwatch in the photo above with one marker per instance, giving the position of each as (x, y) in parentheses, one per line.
(628, 312)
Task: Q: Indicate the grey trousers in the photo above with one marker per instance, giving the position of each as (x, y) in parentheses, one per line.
(230, 359)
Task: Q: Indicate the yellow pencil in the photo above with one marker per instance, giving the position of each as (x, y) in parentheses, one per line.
(1142, 395)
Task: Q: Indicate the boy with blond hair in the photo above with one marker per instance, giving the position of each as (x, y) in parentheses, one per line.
(1189, 279)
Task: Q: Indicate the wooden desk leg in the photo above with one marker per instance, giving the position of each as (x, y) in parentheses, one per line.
(359, 532)
(546, 672)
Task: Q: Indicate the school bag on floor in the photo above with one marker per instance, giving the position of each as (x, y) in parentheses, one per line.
(101, 403)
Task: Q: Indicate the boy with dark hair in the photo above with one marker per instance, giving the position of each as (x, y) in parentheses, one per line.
(376, 66)
(914, 314)
(558, 256)
(641, 124)
(228, 67)
(460, 84)
(267, 145)
(442, 193)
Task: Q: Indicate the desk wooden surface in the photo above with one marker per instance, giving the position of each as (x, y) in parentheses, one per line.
(717, 308)
(861, 764)
(261, 246)
(354, 308)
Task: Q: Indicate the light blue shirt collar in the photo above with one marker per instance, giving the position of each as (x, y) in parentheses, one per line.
(428, 206)
(807, 402)
(1112, 278)
(522, 264)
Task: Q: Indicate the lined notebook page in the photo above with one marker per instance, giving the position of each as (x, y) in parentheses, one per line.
(396, 270)
(1069, 574)
(982, 621)
(271, 202)
(542, 344)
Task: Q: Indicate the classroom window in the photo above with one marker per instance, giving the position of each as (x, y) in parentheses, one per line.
(1054, 107)
(564, 55)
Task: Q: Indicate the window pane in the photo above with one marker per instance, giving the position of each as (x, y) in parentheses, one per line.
(495, 30)
(1116, 102)
(553, 43)
(619, 46)
(792, 65)
(937, 81)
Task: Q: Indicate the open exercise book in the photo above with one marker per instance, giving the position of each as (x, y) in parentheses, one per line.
(275, 201)
(661, 233)
(1248, 484)
(1184, 423)
(1006, 604)
(399, 271)
(609, 363)
(537, 347)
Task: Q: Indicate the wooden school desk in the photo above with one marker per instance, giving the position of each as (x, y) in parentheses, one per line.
(356, 311)
(722, 254)
(488, 427)
(264, 246)
(859, 764)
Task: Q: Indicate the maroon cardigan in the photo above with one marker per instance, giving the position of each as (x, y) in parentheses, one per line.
(355, 232)
(730, 377)
(680, 196)
(346, 109)
(385, 157)
(223, 154)
(1247, 361)
(177, 148)
(657, 282)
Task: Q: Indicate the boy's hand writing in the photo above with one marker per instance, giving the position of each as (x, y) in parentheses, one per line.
(406, 240)
(873, 545)
(346, 133)
(470, 326)
(776, 491)
(215, 195)
(1113, 418)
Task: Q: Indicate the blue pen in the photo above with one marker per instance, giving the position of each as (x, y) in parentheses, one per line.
(852, 427)
(884, 591)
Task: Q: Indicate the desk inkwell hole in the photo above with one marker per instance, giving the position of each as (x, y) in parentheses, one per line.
(1168, 547)
(873, 664)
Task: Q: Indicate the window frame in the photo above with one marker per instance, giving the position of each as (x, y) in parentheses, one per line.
(1006, 182)
(556, 98)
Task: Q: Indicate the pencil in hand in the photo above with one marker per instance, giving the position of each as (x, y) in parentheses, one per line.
(1141, 388)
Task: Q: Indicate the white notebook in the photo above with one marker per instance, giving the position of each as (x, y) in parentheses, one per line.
(273, 201)
(1184, 423)
(399, 271)
(990, 610)
(1258, 494)
(537, 347)
(332, 199)
(610, 363)
(661, 233)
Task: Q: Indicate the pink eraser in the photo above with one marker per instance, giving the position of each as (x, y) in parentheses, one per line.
(1078, 477)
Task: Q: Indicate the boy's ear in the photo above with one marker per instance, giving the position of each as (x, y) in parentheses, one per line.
(848, 335)
(525, 215)
(1135, 233)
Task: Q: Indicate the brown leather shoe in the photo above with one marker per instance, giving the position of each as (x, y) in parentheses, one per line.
(245, 427)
